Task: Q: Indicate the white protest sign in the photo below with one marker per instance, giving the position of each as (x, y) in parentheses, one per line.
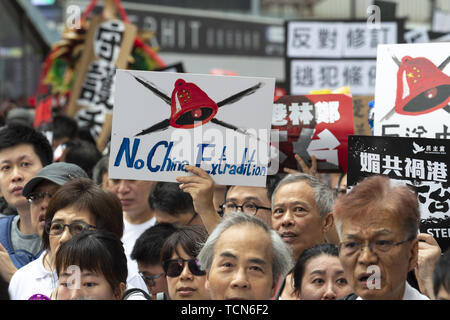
(412, 91)
(164, 121)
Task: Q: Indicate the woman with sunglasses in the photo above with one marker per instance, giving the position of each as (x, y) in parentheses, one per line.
(77, 206)
(185, 279)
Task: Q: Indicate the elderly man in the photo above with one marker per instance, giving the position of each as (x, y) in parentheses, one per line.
(301, 214)
(377, 224)
(244, 259)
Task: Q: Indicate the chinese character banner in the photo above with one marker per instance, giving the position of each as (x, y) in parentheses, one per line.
(412, 91)
(314, 125)
(421, 163)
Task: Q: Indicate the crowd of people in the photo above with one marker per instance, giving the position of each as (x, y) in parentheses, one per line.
(68, 231)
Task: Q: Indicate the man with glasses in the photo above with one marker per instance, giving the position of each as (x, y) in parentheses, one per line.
(40, 189)
(147, 251)
(254, 201)
(377, 224)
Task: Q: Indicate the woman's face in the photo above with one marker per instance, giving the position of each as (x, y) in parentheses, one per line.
(68, 215)
(323, 279)
(86, 285)
(186, 286)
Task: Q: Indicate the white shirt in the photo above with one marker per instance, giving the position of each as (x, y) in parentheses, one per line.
(410, 294)
(131, 232)
(32, 279)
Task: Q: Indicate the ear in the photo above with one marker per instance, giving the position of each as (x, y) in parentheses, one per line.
(414, 254)
(273, 290)
(328, 221)
(207, 281)
(118, 294)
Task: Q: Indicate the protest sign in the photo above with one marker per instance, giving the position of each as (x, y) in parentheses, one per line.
(333, 54)
(314, 125)
(421, 163)
(413, 91)
(163, 121)
(108, 46)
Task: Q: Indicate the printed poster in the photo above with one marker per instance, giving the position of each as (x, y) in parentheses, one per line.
(314, 125)
(412, 93)
(421, 163)
(163, 121)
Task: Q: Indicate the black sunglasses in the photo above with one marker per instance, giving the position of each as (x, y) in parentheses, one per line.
(174, 267)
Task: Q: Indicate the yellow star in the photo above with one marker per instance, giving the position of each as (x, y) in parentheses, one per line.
(410, 75)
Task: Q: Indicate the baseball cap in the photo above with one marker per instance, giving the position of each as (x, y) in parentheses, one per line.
(57, 172)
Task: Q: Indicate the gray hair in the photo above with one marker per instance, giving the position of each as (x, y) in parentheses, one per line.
(322, 192)
(281, 263)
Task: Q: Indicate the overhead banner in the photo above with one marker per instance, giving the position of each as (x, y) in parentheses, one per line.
(412, 93)
(163, 121)
(420, 163)
(314, 125)
(334, 54)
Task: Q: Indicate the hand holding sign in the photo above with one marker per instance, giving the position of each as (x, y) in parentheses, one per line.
(429, 254)
(201, 188)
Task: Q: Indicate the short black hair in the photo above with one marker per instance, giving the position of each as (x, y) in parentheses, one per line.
(84, 154)
(169, 198)
(99, 169)
(15, 134)
(441, 274)
(64, 126)
(189, 238)
(98, 251)
(299, 268)
(147, 248)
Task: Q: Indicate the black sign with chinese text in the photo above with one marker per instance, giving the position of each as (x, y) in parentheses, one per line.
(421, 163)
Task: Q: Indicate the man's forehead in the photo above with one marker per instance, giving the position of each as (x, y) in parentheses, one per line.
(17, 152)
(371, 224)
(244, 191)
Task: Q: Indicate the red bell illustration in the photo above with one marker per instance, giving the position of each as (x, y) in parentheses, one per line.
(190, 106)
(421, 87)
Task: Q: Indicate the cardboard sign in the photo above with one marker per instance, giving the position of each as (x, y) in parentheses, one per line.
(314, 125)
(418, 162)
(413, 91)
(107, 47)
(163, 121)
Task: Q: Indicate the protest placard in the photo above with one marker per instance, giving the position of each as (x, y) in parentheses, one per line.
(421, 163)
(108, 46)
(413, 91)
(333, 54)
(314, 125)
(163, 121)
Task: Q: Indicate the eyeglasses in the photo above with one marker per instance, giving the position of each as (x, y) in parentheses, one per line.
(246, 207)
(174, 267)
(55, 229)
(349, 248)
(37, 197)
(149, 280)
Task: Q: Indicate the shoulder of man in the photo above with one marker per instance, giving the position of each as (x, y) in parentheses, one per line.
(5, 232)
(350, 296)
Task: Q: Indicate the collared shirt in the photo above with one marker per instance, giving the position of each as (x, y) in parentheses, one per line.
(32, 279)
(409, 294)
